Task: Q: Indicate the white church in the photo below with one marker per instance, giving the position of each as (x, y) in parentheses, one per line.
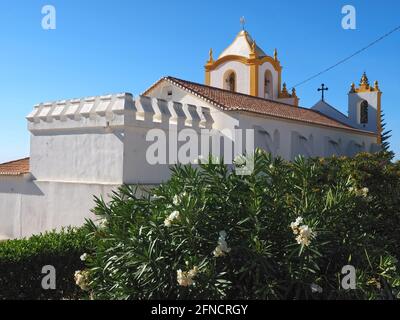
(90, 146)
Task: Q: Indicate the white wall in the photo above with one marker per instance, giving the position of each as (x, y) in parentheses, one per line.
(290, 131)
(29, 207)
(77, 156)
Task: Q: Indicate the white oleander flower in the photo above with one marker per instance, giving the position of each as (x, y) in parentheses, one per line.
(365, 191)
(295, 225)
(84, 257)
(171, 218)
(81, 279)
(176, 200)
(305, 235)
(316, 288)
(167, 223)
(193, 272)
(185, 279)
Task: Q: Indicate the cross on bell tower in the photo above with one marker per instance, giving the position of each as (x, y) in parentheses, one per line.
(323, 89)
(243, 22)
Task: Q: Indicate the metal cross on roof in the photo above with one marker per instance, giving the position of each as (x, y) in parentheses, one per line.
(242, 22)
(323, 89)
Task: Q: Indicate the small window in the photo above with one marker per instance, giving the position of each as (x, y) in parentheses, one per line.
(268, 85)
(169, 93)
(364, 112)
(230, 81)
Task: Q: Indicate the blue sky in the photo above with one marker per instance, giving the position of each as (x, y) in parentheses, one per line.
(114, 46)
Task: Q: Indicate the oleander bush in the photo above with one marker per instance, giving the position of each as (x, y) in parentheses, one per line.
(21, 263)
(283, 232)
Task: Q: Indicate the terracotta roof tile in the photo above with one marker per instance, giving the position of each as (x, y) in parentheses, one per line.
(15, 168)
(232, 101)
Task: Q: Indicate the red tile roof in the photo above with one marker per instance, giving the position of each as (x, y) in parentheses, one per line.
(15, 168)
(232, 101)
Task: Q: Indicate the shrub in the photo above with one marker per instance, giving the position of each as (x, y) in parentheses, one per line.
(21, 263)
(283, 232)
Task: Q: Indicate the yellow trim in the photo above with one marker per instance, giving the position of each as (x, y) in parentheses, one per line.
(208, 78)
(247, 61)
(365, 88)
(254, 79)
(253, 62)
(275, 63)
(379, 119)
(215, 64)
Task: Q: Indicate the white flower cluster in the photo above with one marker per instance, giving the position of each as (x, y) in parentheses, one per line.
(360, 192)
(303, 232)
(222, 247)
(84, 257)
(177, 199)
(82, 279)
(171, 218)
(185, 278)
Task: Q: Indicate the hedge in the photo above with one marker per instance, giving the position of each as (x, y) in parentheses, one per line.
(284, 232)
(21, 263)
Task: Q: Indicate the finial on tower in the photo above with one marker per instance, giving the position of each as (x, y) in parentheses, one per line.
(253, 46)
(352, 87)
(243, 22)
(364, 80)
(210, 58)
(276, 55)
(376, 85)
(284, 89)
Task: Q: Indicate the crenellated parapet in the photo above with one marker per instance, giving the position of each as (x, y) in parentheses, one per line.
(117, 111)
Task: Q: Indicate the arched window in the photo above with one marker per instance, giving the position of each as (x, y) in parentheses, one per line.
(268, 85)
(230, 81)
(364, 112)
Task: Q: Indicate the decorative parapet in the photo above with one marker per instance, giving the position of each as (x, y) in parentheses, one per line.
(117, 111)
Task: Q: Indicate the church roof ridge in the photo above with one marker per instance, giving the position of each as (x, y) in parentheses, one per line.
(234, 101)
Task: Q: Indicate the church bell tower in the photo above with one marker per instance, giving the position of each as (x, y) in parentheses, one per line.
(365, 106)
(243, 67)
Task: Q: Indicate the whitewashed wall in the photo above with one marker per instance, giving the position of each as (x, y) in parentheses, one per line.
(29, 207)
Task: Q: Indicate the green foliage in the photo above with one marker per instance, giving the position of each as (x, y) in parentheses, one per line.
(386, 134)
(233, 236)
(21, 263)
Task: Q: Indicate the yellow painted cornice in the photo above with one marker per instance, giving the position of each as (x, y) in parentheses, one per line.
(211, 65)
(364, 86)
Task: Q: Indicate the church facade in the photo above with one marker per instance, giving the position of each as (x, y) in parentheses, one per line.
(90, 146)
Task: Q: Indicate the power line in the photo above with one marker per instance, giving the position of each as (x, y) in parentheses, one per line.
(348, 58)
